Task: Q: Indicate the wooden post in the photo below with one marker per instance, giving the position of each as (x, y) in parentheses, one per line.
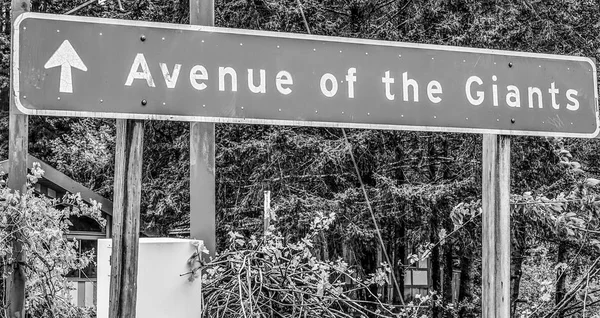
(17, 181)
(126, 218)
(202, 155)
(267, 211)
(496, 227)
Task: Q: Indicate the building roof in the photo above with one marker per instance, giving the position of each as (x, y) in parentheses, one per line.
(60, 182)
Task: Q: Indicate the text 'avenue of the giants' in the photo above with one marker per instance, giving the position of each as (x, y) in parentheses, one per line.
(475, 87)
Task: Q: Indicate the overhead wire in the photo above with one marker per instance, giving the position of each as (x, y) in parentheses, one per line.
(89, 2)
(362, 186)
(79, 7)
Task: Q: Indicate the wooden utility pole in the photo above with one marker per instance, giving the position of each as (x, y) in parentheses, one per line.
(202, 155)
(495, 301)
(17, 181)
(126, 218)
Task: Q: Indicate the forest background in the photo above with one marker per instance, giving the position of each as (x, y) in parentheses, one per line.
(423, 186)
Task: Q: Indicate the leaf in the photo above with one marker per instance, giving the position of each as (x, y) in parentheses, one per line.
(578, 171)
(559, 267)
(457, 218)
(413, 259)
(545, 297)
(578, 222)
(240, 242)
(320, 289)
(442, 236)
(591, 182)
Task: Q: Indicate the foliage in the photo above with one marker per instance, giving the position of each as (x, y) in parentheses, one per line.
(272, 277)
(41, 224)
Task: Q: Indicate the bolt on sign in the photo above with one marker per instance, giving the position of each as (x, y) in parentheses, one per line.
(90, 67)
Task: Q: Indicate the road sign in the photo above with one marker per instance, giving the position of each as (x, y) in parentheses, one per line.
(132, 69)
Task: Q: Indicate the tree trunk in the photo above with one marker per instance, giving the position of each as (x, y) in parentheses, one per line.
(379, 261)
(435, 263)
(520, 236)
(346, 254)
(516, 281)
(400, 259)
(436, 283)
(325, 247)
(389, 297)
(448, 271)
(401, 256)
(561, 288)
(465, 291)
(449, 246)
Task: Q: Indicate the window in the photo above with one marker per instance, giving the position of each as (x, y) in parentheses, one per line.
(84, 225)
(89, 272)
(416, 278)
(87, 231)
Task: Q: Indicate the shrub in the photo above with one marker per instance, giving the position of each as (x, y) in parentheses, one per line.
(270, 277)
(40, 224)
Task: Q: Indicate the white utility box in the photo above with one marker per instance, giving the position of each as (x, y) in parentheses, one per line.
(161, 290)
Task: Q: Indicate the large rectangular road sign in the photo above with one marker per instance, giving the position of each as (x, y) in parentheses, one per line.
(90, 67)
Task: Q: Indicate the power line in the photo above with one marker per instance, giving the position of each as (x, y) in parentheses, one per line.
(362, 186)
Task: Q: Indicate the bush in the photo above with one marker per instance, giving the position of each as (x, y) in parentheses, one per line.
(269, 277)
(40, 224)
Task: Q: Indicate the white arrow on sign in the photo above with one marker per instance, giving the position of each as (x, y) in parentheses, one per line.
(65, 57)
